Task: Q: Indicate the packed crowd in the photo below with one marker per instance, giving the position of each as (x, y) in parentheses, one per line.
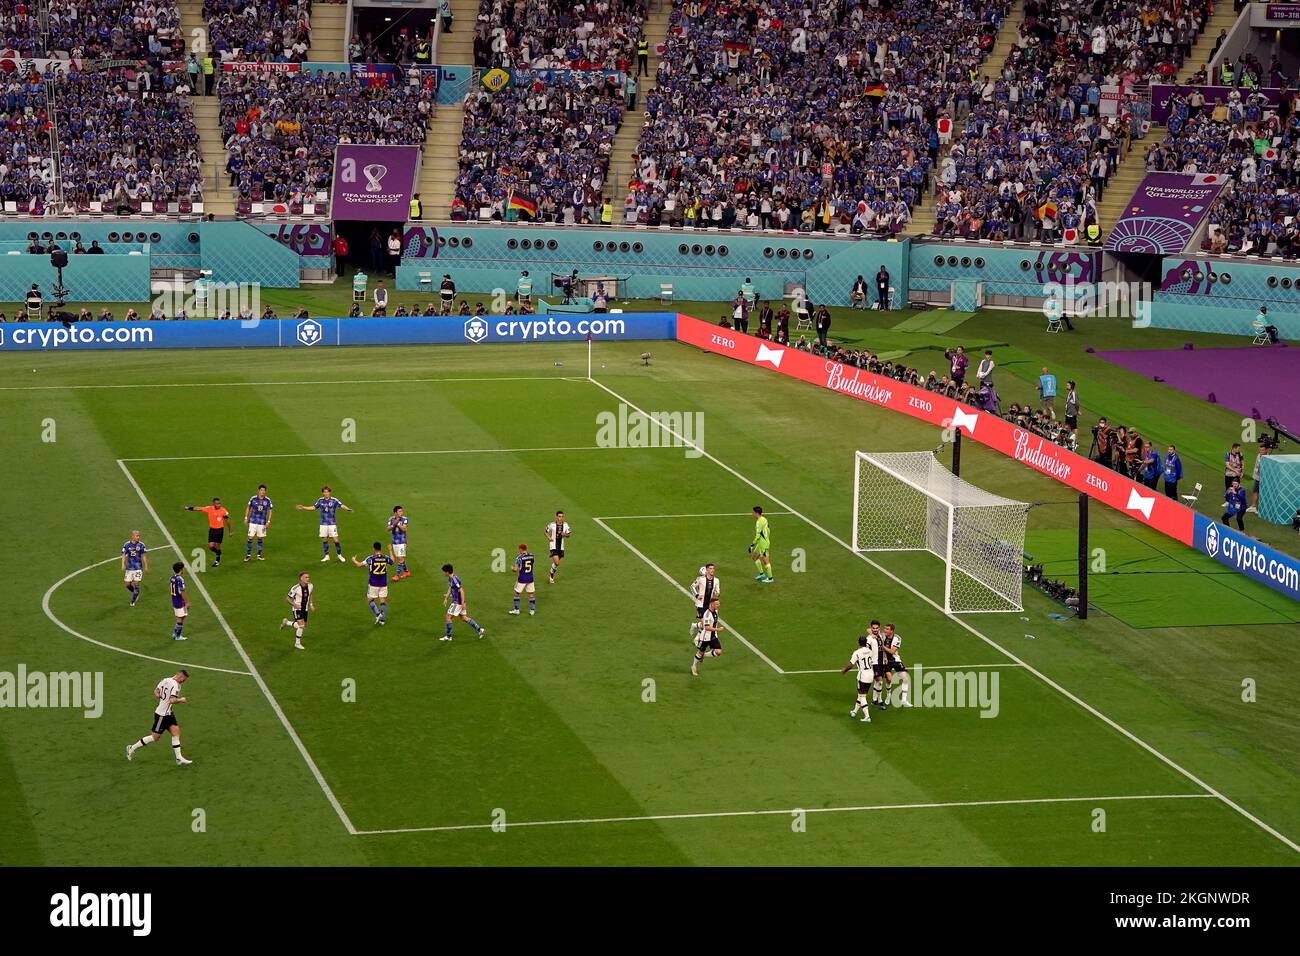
(276, 30)
(126, 136)
(546, 136)
(1257, 146)
(1037, 154)
(20, 28)
(280, 129)
(26, 156)
(115, 29)
(803, 114)
(549, 35)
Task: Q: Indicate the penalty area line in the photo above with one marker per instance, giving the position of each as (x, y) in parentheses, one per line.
(722, 814)
(243, 655)
(380, 454)
(281, 384)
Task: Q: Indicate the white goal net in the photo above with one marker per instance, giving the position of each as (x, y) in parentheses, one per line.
(908, 501)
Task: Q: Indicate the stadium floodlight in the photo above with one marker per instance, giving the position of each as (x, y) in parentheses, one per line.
(908, 501)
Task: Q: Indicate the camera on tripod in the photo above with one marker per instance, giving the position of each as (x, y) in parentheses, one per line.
(59, 259)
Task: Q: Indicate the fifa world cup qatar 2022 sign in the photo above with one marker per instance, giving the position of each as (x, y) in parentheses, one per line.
(373, 183)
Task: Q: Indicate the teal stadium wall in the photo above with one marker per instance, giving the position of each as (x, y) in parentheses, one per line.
(699, 264)
(240, 252)
(1223, 295)
(106, 278)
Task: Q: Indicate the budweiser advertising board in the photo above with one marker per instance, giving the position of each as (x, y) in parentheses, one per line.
(1137, 501)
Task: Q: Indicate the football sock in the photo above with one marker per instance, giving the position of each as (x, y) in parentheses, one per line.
(449, 628)
(176, 631)
(248, 548)
(338, 548)
(176, 748)
(373, 608)
(758, 565)
(325, 547)
(142, 742)
(532, 604)
(473, 623)
(516, 602)
(297, 631)
(217, 552)
(383, 609)
(259, 547)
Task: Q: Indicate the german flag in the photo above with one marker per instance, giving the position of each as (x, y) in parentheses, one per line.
(874, 89)
(736, 45)
(523, 204)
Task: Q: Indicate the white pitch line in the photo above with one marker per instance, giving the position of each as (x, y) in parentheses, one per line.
(987, 640)
(360, 381)
(718, 814)
(667, 577)
(266, 691)
(45, 606)
(713, 514)
(927, 667)
(363, 454)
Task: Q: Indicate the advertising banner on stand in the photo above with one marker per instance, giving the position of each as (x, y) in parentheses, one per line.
(373, 183)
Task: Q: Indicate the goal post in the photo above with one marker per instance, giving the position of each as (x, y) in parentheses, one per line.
(908, 501)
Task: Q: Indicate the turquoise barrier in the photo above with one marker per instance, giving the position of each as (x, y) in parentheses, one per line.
(696, 264)
(106, 278)
(241, 252)
(1208, 294)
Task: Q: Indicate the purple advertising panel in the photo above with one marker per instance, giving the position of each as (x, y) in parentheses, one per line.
(373, 183)
(1282, 11)
(1214, 95)
(1164, 212)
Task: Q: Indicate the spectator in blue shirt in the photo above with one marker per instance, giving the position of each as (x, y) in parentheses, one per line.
(1151, 466)
(1234, 504)
(1047, 389)
(1173, 472)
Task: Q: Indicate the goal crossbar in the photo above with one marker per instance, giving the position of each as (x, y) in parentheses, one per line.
(908, 501)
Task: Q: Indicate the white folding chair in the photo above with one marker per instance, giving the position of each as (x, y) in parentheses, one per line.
(1195, 496)
(665, 292)
(1261, 333)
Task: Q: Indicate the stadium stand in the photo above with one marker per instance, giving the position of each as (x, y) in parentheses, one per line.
(808, 115)
(546, 137)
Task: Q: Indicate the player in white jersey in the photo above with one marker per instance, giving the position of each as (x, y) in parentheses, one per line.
(707, 643)
(557, 536)
(168, 695)
(300, 598)
(891, 663)
(863, 660)
(704, 589)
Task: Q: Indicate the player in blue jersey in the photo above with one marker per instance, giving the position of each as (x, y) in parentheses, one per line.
(524, 579)
(257, 515)
(454, 602)
(180, 602)
(397, 549)
(377, 564)
(328, 506)
(135, 562)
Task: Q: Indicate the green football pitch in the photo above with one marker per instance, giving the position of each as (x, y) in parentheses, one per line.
(579, 736)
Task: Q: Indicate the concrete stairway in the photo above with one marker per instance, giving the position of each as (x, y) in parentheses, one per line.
(923, 215)
(621, 165)
(218, 198)
(328, 28)
(439, 161)
(1125, 179)
(1222, 19)
(457, 47)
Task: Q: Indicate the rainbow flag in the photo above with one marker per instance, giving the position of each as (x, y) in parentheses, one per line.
(525, 205)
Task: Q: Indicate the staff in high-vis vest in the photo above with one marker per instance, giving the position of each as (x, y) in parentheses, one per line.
(1225, 73)
(416, 211)
(423, 53)
(208, 67)
(607, 213)
(643, 57)
(1093, 234)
